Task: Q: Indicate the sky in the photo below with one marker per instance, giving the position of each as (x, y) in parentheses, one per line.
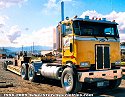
(24, 22)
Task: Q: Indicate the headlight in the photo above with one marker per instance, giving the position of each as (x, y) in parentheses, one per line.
(84, 64)
(118, 63)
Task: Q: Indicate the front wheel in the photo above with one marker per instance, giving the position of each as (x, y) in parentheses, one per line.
(69, 81)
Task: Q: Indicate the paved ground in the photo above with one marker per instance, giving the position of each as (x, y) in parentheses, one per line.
(18, 86)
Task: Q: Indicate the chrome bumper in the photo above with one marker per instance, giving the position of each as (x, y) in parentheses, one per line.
(123, 70)
(94, 76)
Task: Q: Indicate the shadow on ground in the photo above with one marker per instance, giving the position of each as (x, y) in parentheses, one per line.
(51, 82)
(97, 92)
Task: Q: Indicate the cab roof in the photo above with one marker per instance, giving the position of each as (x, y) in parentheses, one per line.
(94, 20)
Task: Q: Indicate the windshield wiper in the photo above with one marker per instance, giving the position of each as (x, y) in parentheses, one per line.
(106, 37)
(95, 37)
(115, 38)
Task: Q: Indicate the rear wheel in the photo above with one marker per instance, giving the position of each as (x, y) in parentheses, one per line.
(24, 72)
(69, 81)
(31, 73)
(4, 66)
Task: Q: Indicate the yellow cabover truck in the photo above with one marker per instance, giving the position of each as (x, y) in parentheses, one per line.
(90, 55)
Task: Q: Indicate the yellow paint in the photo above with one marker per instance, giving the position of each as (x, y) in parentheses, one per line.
(84, 51)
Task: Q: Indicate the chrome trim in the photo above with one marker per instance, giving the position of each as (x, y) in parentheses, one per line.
(123, 68)
(98, 39)
(95, 76)
(103, 56)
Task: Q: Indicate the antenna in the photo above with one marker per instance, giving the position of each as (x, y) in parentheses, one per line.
(111, 5)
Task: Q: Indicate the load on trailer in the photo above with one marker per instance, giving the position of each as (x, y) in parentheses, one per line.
(90, 53)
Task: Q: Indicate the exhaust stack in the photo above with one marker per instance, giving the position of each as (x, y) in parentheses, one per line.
(62, 11)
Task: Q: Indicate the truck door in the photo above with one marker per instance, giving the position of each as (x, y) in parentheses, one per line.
(67, 46)
(67, 40)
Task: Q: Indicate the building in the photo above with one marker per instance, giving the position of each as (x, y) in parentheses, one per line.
(3, 54)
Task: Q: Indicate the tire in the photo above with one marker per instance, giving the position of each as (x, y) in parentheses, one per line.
(32, 74)
(4, 66)
(24, 72)
(69, 81)
(114, 83)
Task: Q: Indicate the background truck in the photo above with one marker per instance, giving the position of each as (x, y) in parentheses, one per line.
(90, 52)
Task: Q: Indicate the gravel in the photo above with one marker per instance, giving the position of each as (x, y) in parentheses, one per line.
(12, 85)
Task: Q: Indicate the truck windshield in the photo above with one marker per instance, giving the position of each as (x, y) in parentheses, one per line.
(83, 28)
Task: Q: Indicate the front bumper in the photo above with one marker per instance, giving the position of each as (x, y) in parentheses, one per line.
(123, 70)
(95, 76)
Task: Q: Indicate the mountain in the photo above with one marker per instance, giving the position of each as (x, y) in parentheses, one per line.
(27, 48)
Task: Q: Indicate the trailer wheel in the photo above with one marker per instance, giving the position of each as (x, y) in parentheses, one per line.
(69, 81)
(114, 83)
(31, 73)
(4, 66)
(24, 72)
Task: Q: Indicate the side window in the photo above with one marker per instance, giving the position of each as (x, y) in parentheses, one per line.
(67, 29)
(76, 28)
(109, 31)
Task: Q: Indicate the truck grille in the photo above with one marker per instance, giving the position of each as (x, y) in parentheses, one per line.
(102, 57)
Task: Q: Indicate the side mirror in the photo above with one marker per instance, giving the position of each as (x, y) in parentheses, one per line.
(71, 48)
(63, 30)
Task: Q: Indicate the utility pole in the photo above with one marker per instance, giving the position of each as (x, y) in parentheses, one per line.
(31, 50)
(33, 47)
(22, 53)
(22, 48)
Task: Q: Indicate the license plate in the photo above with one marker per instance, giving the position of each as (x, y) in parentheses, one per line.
(100, 84)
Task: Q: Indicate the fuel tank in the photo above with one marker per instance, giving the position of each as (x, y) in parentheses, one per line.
(51, 71)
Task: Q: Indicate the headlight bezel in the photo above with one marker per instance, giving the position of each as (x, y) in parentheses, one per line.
(85, 64)
(118, 62)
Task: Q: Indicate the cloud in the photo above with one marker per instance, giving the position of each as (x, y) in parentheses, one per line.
(4, 41)
(8, 3)
(14, 33)
(3, 19)
(53, 6)
(43, 37)
(119, 17)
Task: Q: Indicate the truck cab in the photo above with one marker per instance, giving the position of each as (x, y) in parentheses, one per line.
(91, 43)
(92, 47)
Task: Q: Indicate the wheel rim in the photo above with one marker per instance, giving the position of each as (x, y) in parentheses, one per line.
(23, 72)
(31, 72)
(68, 81)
